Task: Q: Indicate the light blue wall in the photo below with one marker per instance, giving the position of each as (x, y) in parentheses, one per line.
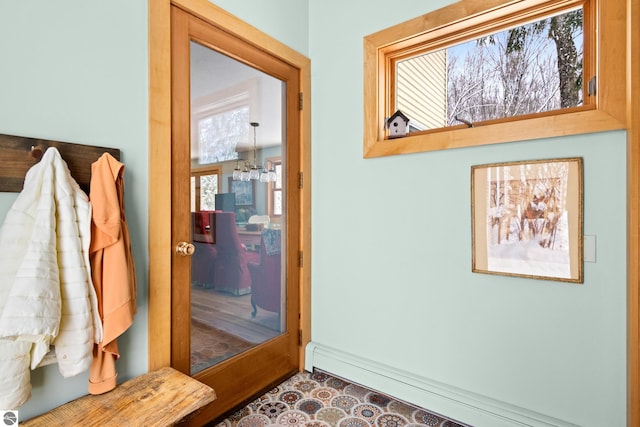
(391, 276)
(76, 71)
(284, 20)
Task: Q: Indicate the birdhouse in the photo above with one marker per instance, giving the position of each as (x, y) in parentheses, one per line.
(398, 125)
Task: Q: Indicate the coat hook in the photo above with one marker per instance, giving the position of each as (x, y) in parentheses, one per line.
(37, 151)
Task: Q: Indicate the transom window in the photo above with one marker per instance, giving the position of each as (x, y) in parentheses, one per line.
(474, 73)
(527, 69)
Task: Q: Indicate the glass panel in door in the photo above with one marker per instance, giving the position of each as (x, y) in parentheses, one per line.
(237, 218)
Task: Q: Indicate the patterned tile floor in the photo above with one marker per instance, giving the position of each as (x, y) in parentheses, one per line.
(321, 400)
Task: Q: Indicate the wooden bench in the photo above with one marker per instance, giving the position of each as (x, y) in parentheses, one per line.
(159, 398)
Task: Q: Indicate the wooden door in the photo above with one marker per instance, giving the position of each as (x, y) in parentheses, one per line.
(255, 369)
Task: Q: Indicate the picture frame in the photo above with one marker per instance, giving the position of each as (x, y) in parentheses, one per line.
(245, 192)
(527, 219)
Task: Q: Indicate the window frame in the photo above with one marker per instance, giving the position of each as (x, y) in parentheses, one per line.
(204, 171)
(272, 188)
(605, 32)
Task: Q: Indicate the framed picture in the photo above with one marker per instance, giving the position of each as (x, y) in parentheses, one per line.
(245, 192)
(527, 219)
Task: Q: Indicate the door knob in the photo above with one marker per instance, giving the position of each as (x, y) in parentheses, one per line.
(185, 249)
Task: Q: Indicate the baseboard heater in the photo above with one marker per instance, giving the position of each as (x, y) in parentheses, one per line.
(450, 402)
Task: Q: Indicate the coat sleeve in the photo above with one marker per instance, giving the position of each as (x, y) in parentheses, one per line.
(29, 285)
(33, 304)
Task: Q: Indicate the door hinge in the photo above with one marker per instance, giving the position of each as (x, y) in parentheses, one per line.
(300, 180)
(592, 86)
(301, 259)
(299, 337)
(300, 101)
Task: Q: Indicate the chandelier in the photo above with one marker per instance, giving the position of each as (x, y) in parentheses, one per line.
(253, 171)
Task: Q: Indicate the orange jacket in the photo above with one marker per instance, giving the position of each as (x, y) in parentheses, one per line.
(112, 268)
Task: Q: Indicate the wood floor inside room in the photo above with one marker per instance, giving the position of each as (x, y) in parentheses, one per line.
(222, 326)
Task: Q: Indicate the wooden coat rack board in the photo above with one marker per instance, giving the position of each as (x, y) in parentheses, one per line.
(18, 154)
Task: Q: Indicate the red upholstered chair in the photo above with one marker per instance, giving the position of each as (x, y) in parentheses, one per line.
(231, 273)
(266, 287)
(202, 261)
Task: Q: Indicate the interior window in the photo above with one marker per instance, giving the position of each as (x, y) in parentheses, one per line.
(473, 74)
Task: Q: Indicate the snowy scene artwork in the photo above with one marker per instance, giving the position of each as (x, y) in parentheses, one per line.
(527, 219)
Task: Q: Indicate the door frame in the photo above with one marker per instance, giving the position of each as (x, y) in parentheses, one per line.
(160, 242)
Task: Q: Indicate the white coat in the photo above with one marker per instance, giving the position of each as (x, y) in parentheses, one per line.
(46, 294)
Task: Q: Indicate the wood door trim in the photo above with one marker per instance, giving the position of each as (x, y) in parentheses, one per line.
(180, 81)
(220, 18)
(159, 344)
(160, 243)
